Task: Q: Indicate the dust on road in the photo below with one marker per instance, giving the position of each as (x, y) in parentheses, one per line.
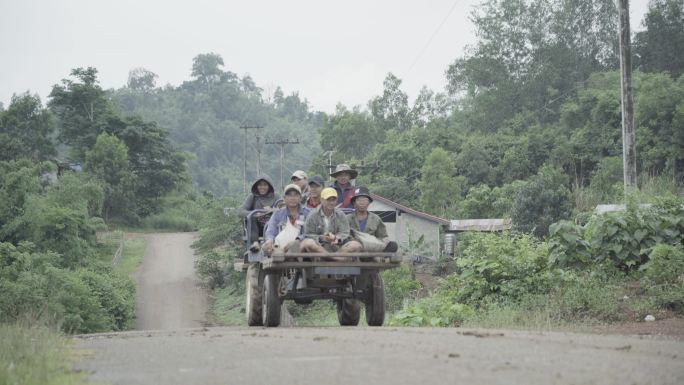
(169, 295)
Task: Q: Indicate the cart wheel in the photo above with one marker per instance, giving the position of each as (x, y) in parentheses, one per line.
(375, 300)
(270, 299)
(254, 288)
(348, 312)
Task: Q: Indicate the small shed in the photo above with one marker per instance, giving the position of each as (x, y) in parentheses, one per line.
(405, 224)
(460, 225)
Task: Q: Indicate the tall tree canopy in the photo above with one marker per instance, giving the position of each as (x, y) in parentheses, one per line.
(25, 130)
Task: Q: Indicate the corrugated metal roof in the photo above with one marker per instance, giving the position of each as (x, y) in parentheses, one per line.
(411, 211)
(480, 224)
(600, 209)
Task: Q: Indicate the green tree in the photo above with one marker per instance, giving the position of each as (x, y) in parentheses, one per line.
(83, 110)
(391, 110)
(157, 166)
(351, 133)
(141, 79)
(206, 67)
(661, 46)
(543, 200)
(529, 55)
(25, 130)
(18, 180)
(108, 163)
(440, 189)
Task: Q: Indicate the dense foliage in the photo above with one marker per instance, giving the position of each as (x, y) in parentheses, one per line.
(528, 128)
(51, 266)
(203, 117)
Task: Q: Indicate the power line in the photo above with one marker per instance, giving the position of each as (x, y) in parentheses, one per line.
(244, 152)
(422, 51)
(282, 143)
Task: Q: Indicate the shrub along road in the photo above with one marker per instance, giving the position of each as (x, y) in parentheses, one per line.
(173, 350)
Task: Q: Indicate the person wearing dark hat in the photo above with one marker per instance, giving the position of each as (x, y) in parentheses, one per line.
(290, 217)
(316, 184)
(365, 221)
(262, 197)
(345, 190)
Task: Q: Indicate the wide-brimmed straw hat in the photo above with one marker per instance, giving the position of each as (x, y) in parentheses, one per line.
(343, 167)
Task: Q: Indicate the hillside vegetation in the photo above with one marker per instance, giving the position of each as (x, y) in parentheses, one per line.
(528, 127)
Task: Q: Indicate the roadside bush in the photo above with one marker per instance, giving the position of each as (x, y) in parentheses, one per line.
(215, 268)
(169, 220)
(80, 301)
(218, 229)
(567, 248)
(219, 244)
(665, 265)
(116, 296)
(623, 238)
(437, 310)
(664, 277)
(180, 211)
(400, 286)
(492, 265)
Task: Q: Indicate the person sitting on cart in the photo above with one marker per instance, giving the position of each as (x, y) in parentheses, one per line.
(345, 190)
(365, 221)
(293, 213)
(316, 184)
(301, 179)
(262, 197)
(327, 228)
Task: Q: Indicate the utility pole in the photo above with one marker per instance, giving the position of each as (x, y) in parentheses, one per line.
(628, 141)
(282, 143)
(244, 152)
(330, 170)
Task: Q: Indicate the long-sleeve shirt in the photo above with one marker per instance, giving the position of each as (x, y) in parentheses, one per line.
(318, 224)
(279, 220)
(374, 225)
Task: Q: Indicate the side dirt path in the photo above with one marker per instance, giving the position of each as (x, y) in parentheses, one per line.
(169, 292)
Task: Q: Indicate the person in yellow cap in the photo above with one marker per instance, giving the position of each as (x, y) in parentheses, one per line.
(327, 228)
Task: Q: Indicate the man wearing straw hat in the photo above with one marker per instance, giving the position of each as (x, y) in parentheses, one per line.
(345, 190)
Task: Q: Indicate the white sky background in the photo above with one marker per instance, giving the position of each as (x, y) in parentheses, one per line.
(328, 51)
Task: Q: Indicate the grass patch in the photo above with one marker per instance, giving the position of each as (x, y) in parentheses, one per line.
(35, 356)
(228, 307)
(132, 256)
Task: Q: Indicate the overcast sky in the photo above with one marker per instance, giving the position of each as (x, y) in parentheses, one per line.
(328, 51)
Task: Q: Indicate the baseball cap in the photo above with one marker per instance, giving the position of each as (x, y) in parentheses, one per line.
(299, 174)
(292, 186)
(317, 180)
(328, 192)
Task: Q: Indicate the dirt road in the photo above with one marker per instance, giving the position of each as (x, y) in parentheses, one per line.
(169, 295)
(173, 352)
(379, 356)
